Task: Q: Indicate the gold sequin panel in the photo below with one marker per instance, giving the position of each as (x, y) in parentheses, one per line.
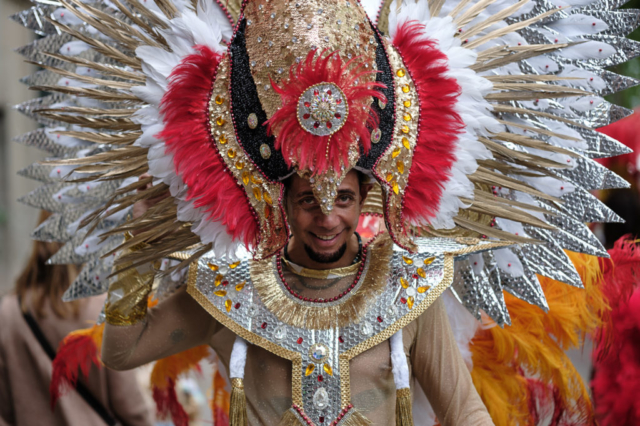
(394, 165)
(280, 33)
(263, 196)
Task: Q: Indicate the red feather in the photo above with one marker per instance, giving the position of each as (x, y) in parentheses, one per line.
(306, 150)
(186, 135)
(167, 404)
(76, 354)
(439, 125)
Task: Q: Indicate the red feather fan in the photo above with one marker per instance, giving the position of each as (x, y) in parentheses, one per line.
(76, 354)
(309, 151)
(196, 159)
(439, 124)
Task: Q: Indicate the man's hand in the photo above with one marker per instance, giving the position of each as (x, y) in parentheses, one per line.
(141, 207)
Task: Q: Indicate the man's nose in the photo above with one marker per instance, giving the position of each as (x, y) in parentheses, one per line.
(327, 221)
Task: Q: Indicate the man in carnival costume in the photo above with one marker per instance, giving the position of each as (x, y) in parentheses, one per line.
(467, 124)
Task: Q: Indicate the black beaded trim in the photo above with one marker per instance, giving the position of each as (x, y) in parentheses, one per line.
(245, 100)
(386, 115)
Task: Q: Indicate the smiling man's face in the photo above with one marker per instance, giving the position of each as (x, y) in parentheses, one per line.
(325, 239)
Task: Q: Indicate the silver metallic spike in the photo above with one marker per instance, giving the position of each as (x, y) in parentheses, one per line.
(551, 260)
(626, 49)
(92, 281)
(44, 77)
(30, 107)
(614, 181)
(43, 197)
(481, 291)
(600, 145)
(525, 287)
(39, 172)
(575, 236)
(38, 139)
(619, 22)
(35, 19)
(603, 5)
(586, 174)
(52, 44)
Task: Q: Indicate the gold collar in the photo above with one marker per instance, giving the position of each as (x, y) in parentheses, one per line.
(322, 274)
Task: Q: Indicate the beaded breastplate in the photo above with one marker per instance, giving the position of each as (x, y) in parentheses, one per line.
(320, 337)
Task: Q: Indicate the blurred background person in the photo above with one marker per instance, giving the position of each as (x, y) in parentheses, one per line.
(25, 366)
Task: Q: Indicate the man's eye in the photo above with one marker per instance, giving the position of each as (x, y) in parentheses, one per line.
(344, 198)
(307, 201)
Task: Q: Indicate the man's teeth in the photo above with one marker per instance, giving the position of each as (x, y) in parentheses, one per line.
(326, 237)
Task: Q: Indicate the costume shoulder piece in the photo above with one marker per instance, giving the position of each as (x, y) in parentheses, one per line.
(392, 288)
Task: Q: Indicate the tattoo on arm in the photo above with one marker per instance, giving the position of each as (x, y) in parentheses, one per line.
(177, 336)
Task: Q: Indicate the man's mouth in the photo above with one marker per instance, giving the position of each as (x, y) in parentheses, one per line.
(326, 237)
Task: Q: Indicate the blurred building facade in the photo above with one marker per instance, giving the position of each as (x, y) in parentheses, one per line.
(16, 220)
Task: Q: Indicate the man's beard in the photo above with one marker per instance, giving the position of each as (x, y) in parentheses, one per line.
(326, 258)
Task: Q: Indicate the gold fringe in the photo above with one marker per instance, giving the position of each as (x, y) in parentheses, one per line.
(98, 137)
(142, 24)
(289, 418)
(99, 46)
(508, 29)
(404, 412)
(113, 84)
(492, 20)
(535, 130)
(515, 110)
(101, 95)
(283, 306)
(356, 418)
(238, 405)
(472, 12)
(91, 122)
(104, 69)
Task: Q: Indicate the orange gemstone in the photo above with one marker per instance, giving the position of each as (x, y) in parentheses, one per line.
(213, 267)
(405, 129)
(406, 143)
(400, 73)
(218, 280)
(222, 139)
(410, 302)
(309, 369)
(421, 272)
(395, 187)
(267, 211)
(227, 304)
(406, 88)
(407, 260)
(395, 152)
(429, 260)
(231, 153)
(267, 197)
(220, 121)
(240, 165)
(389, 177)
(240, 286)
(245, 178)
(220, 293)
(407, 117)
(234, 265)
(407, 103)
(404, 283)
(423, 289)
(219, 100)
(257, 193)
(256, 180)
(400, 165)
(327, 369)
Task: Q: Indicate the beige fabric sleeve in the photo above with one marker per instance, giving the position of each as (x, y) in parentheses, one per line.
(176, 324)
(442, 373)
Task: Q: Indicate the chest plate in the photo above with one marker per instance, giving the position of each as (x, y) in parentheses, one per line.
(320, 338)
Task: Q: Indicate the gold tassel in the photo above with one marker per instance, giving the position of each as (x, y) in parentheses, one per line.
(238, 405)
(404, 414)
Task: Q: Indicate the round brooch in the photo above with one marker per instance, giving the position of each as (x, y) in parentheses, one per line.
(318, 352)
(322, 109)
